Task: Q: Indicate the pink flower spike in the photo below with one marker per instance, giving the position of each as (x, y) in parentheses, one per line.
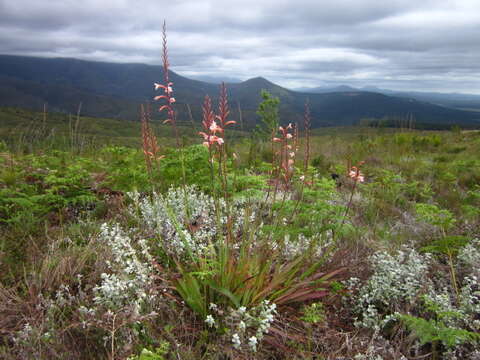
(231, 122)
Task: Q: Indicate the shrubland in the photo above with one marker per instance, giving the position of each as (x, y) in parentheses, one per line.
(285, 243)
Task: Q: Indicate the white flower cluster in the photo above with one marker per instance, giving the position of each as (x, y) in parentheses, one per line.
(462, 311)
(469, 300)
(177, 215)
(246, 327)
(396, 282)
(186, 219)
(130, 277)
(461, 314)
(293, 247)
(469, 257)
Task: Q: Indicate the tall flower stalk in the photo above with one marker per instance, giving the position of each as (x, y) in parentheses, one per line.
(167, 88)
(286, 154)
(149, 140)
(222, 117)
(357, 176)
(210, 129)
(213, 132)
(307, 124)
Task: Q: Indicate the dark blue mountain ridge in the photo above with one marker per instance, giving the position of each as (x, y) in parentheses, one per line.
(116, 90)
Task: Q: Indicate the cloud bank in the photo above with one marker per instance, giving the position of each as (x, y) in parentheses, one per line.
(399, 44)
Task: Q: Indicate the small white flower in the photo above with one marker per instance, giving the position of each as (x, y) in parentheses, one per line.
(252, 342)
(236, 341)
(242, 326)
(210, 320)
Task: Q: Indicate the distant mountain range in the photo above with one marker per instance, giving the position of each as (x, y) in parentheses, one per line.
(452, 100)
(116, 90)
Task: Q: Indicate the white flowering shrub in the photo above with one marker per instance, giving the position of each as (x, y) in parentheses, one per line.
(399, 290)
(43, 329)
(396, 282)
(186, 219)
(469, 302)
(469, 257)
(129, 280)
(293, 247)
(245, 328)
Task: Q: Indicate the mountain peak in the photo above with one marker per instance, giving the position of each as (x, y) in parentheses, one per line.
(258, 80)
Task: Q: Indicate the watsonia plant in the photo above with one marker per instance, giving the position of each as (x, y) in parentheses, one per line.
(149, 140)
(167, 88)
(239, 267)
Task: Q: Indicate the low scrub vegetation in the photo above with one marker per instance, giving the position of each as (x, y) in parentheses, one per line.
(285, 243)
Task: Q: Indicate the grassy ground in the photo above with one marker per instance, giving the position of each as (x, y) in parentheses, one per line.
(222, 255)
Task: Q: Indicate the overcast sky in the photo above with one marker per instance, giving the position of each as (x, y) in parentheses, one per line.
(395, 44)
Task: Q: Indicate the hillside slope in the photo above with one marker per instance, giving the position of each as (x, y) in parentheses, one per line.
(116, 90)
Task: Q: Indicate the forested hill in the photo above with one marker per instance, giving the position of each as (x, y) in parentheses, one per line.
(116, 90)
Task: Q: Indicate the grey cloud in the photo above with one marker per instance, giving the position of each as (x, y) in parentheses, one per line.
(399, 44)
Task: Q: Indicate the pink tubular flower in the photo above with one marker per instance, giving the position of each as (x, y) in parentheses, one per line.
(211, 139)
(205, 136)
(214, 128)
(218, 140)
(356, 174)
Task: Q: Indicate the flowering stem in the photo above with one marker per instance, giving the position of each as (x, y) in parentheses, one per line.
(349, 203)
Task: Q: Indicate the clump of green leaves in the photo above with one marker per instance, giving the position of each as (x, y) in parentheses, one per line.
(432, 331)
(158, 353)
(433, 215)
(313, 313)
